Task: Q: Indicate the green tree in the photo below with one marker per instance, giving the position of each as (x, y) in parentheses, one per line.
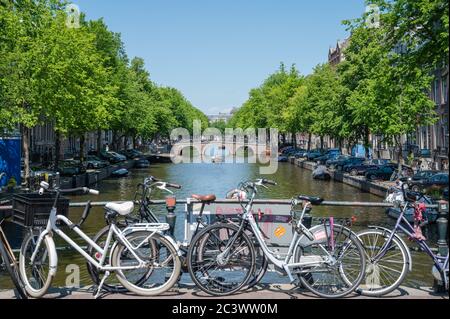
(323, 96)
(384, 95)
(22, 25)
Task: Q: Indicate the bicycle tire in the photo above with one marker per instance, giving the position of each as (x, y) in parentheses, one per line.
(199, 242)
(24, 251)
(384, 290)
(305, 279)
(94, 272)
(12, 269)
(138, 289)
(259, 272)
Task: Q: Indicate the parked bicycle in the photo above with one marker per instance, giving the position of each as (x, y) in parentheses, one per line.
(388, 256)
(327, 259)
(144, 213)
(138, 251)
(9, 262)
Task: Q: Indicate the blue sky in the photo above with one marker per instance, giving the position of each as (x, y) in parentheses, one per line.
(215, 51)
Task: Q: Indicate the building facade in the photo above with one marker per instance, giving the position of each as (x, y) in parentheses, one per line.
(336, 54)
(436, 137)
(43, 139)
(219, 117)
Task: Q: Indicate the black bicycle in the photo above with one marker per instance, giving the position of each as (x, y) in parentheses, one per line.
(9, 262)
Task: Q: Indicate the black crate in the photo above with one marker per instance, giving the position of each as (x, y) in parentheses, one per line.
(33, 210)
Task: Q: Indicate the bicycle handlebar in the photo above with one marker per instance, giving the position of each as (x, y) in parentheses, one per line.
(46, 187)
(269, 182)
(176, 186)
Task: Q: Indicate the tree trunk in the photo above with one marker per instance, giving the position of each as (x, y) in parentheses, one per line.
(321, 142)
(26, 154)
(57, 149)
(294, 139)
(309, 141)
(82, 144)
(114, 141)
(125, 143)
(398, 142)
(99, 142)
(134, 141)
(366, 142)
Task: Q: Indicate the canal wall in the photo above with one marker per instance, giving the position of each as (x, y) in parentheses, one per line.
(93, 177)
(355, 181)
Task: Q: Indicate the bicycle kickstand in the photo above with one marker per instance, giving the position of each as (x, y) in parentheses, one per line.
(99, 288)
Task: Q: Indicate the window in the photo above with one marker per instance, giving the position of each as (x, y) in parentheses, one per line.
(436, 91)
(444, 90)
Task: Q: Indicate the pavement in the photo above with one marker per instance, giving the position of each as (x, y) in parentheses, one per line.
(264, 292)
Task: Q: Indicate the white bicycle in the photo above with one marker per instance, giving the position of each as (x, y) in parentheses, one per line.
(144, 260)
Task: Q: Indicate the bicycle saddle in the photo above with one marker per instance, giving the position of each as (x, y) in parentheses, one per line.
(204, 199)
(121, 209)
(311, 199)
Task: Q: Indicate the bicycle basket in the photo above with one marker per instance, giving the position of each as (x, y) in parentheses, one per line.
(33, 210)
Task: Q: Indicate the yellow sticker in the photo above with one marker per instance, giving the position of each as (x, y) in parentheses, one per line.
(280, 232)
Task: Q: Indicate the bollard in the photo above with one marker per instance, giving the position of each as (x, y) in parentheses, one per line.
(171, 218)
(442, 223)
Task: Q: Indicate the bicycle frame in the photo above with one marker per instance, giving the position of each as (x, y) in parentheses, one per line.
(285, 264)
(5, 243)
(113, 231)
(402, 224)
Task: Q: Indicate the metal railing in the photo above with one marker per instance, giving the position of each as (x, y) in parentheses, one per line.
(442, 208)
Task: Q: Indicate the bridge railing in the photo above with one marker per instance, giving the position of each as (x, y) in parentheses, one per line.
(441, 207)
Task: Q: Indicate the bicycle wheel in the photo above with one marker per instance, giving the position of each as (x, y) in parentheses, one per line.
(385, 275)
(37, 276)
(111, 284)
(12, 269)
(163, 264)
(212, 271)
(261, 265)
(340, 266)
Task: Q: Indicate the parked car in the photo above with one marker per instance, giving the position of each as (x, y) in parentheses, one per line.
(361, 168)
(283, 159)
(328, 155)
(382, 172)
(312, 155)
(285, 149)
(142, 163)
(93, 162)
(113, 157)
(131, 153)
(420, 176)
(435, 182)
(299, 153)
(342, 161)
(292, 152)
(425, 153)
(70, 168)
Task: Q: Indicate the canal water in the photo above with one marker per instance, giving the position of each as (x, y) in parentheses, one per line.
(218, 179)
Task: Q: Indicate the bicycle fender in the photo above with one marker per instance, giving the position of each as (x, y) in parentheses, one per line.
(320, 234)
(408, 252)
(53, 256)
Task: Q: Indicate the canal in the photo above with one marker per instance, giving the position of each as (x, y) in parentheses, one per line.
(218, 179)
